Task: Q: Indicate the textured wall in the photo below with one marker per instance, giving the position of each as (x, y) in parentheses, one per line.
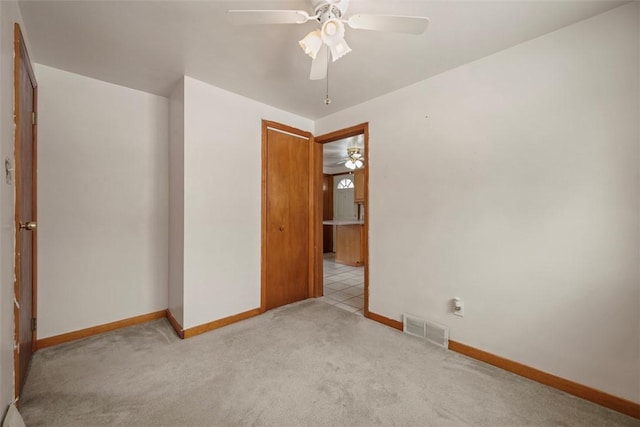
(222, 200)
(519, 194)
(103, 202)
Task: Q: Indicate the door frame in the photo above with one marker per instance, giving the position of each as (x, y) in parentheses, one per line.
(315, 199)
(22, 56)
(360, 129)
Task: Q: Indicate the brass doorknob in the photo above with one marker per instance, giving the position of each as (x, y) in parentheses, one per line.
(31, 225)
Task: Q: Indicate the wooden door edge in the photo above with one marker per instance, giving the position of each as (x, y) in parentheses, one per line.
(34, 209)
(17, 165)
(315, 218)
(263, 221)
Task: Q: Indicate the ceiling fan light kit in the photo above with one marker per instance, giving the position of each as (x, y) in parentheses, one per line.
(351, 164)
(354, 158)
(312, 43)
(339, 50)
(332, 34)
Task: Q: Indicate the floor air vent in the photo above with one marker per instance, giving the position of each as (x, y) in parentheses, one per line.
(428, 330)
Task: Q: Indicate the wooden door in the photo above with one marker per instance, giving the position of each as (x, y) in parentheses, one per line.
(25, 108)
(286, 216)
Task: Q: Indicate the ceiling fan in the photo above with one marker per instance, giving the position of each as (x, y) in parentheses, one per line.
(330, 36)
(353, 160)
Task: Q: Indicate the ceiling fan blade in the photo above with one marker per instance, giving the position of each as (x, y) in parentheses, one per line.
(391, 23)
(259, 17)
(343, 5)
(319, 65)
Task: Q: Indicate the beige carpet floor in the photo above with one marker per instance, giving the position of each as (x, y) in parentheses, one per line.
(306, 364)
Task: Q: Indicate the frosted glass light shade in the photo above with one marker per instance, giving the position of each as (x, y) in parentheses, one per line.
(339, 50)
(350, 164)
(332, 32)
(311, 43)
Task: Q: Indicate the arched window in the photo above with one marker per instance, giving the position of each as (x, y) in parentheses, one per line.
(345, 183)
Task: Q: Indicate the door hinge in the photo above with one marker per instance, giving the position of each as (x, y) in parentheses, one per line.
(34, 118)
(34, 323)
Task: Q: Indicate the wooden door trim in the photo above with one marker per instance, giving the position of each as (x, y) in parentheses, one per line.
(313, 235)
(360, 129)
(21, 56)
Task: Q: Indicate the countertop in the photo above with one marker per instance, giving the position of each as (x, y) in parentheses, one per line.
(343, 222)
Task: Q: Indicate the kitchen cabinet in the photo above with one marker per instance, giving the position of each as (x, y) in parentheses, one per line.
(358, 186)
(349, 242)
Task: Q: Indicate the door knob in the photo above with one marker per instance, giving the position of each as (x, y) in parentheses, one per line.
(31, 225)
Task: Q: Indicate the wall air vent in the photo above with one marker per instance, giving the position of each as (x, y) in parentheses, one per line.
(431, 331)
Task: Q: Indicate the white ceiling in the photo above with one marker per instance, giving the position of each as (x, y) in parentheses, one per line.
(149, 45)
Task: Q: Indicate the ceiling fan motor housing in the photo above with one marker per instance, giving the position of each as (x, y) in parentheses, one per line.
(326, 10)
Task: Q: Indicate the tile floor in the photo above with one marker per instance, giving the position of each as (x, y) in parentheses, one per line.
(343, 285)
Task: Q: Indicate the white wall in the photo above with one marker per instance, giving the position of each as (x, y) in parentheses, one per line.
(102, 200)
(176, 202)
(222, 200)
(9, 14)
(528, 201)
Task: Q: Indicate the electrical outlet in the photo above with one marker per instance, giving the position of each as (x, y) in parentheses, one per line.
(458, 307)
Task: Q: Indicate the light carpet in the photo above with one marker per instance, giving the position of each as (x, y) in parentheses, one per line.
(306, 364)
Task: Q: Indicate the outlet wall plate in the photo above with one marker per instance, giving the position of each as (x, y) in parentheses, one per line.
(8, 171)
(458, 307)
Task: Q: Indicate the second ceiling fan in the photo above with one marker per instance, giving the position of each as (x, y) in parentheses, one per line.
(330, 36)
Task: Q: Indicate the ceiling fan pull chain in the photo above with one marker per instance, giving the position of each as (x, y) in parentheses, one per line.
(327, 100)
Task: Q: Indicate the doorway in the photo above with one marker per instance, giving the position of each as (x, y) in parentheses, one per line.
(345, 267)
(25, 148)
